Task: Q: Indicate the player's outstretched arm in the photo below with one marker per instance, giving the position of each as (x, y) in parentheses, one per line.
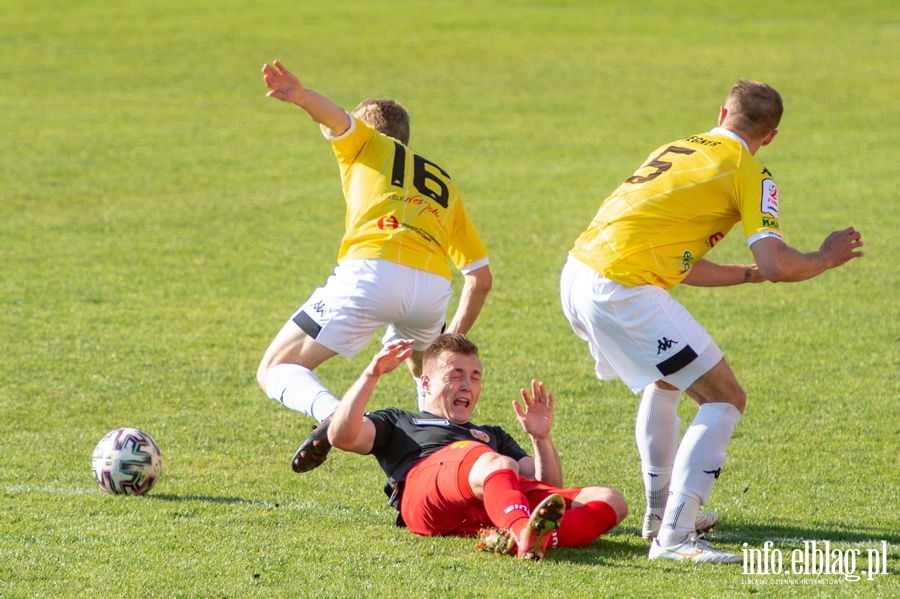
(535, 414)
(350, 430)
(779, 262)
(285, 86)
(476, 286)
(710, 274)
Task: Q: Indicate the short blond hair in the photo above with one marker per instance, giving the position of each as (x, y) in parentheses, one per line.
(385, 116)
(754, 108)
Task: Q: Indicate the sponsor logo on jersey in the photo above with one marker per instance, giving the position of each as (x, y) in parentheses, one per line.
(686, 260)
(431, 422)
(481, 435)
(416, 201)
(769, 203)
(714, 239)
(771, 224)
(388, 222)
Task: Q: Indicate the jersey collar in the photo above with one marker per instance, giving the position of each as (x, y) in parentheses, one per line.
(731, 134)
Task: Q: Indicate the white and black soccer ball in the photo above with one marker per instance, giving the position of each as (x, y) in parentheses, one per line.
(126, 461)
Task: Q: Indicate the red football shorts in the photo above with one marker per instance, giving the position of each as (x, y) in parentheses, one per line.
(437, 499)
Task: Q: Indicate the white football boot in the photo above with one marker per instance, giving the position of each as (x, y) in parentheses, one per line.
(693, 549)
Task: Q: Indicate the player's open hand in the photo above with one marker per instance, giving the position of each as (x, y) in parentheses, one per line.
(536, 416)
(391, 355)
(842, 246)
(281, 82)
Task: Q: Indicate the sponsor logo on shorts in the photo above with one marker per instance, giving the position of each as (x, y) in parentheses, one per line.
(319, 307)
(664, 344)
(481, 435)
(459, 444)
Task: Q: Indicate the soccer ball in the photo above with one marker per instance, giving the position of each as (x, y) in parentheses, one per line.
(126, 461)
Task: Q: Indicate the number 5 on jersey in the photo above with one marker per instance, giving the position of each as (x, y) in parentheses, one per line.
(661, 166)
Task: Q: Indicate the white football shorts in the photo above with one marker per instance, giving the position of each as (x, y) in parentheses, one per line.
(639, 334)
(364, 295)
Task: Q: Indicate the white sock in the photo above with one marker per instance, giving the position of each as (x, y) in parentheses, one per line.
(680, 518)
(420, 393)
(698, 464)
(299, 389)
(657, 429)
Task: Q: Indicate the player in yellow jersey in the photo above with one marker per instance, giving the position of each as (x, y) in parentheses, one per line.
(650, 235)
(404, 221)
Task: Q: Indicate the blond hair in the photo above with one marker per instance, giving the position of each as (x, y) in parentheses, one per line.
(754, 108)
(385, 116)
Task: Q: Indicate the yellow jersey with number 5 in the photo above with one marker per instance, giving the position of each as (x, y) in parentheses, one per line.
(400, 206)
(676, 207)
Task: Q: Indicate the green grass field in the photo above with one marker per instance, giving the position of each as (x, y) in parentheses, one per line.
(160, 218)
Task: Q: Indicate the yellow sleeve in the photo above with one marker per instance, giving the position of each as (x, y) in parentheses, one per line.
(465, 245)
(758, 203)
(350, 143)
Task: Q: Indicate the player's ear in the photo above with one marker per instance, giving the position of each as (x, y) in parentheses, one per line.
(768, 139)
(723, 112)
(426, 383)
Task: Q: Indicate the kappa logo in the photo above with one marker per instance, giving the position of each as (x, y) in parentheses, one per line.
(319, 307)
(388, 222)
(715, 473)
(664, 344)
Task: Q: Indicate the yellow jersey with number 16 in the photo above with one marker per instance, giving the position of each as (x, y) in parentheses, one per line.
(400, 206)
(676, 207)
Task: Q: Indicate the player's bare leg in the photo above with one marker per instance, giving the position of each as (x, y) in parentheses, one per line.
(414, 363)
(286, 374)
